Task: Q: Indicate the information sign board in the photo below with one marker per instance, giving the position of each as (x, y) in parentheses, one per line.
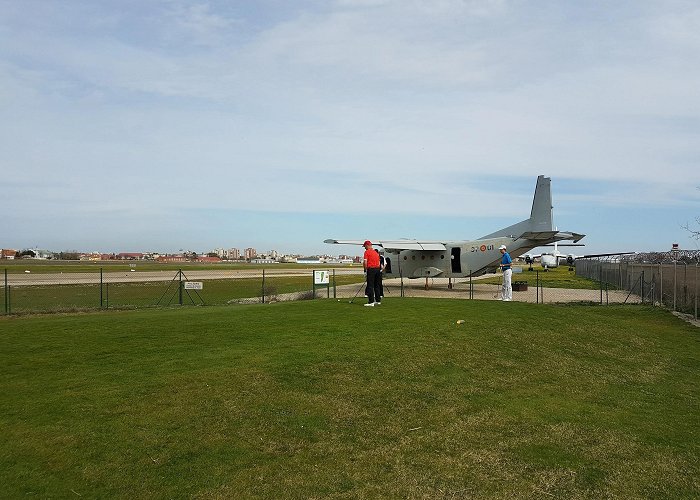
(321, 277)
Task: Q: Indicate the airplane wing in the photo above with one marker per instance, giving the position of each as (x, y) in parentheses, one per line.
(413, 245)
(395, 245)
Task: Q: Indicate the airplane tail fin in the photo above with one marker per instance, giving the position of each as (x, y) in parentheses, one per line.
(541, 213)
(540, 216)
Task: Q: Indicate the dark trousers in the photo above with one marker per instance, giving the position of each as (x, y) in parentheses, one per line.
(374, 283)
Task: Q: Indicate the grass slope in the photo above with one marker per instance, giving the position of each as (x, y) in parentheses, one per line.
(327, 399)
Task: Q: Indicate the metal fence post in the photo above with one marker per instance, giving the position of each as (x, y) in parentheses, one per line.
(537, 286)
(685, 285)
(696, 291)
(619, 275)
(607, 298)
(471, 286)
(101, 298)
(263, 287)
(334, 283)
(675, 281)
(7, 295)
(179, 274)
(661, 279)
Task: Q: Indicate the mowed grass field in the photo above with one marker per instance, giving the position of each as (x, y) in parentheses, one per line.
(321, 399)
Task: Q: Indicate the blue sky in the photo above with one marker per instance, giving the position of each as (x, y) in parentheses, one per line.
(169, 124)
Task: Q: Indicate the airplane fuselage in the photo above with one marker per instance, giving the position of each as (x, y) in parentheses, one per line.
(549, 261)
(460, 258)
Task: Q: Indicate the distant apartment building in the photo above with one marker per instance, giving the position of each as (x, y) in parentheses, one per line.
(250, 253)
(234, 254)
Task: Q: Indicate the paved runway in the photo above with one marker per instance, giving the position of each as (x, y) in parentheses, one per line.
(27, 279)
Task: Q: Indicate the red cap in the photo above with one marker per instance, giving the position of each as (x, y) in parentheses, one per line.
(367, 242)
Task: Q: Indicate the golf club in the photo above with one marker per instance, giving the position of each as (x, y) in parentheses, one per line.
(362, 285)
(500, 287)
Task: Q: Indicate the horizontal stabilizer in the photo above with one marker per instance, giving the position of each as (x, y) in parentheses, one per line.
(540, 235)
(551, 236)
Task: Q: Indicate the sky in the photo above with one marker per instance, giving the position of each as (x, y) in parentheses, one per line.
(160, 125)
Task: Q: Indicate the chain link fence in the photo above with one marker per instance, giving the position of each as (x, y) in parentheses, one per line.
(26, 292)
(673, 285)
(537, 286)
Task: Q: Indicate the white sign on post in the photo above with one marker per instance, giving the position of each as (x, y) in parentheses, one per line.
(194, 285)
(321, 277)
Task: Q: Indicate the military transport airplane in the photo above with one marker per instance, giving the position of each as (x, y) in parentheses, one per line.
(458, 259)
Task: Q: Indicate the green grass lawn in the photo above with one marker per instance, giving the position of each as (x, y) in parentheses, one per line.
(327, 399)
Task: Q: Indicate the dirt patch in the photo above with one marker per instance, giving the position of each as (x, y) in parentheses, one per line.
(482, 291)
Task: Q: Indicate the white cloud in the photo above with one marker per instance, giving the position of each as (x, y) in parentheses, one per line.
(207, 104)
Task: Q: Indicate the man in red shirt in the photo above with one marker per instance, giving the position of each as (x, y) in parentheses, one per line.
(371, 265)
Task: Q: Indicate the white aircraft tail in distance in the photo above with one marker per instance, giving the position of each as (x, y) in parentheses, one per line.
(552, 259)
(463, 258)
